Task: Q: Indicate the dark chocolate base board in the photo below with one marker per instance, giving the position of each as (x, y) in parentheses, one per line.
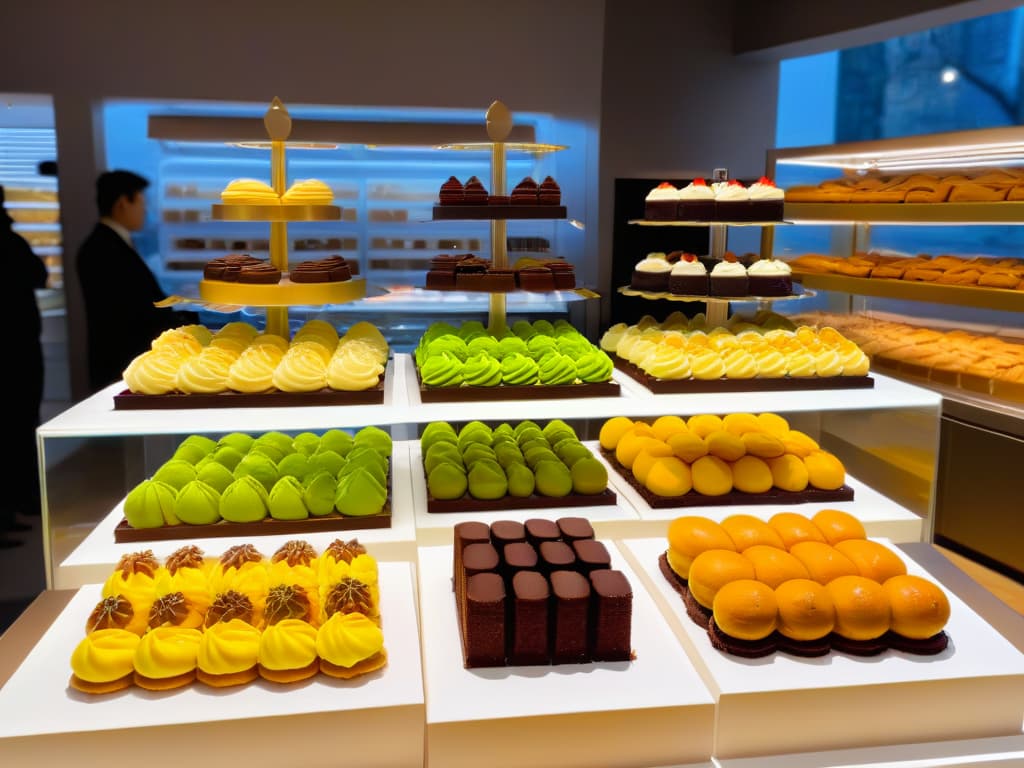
(131, 401)
(694, 499)
(690, 386)
(489, 212)
(468, 504)
(468, 394)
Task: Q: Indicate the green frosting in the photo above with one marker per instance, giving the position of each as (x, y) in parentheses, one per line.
(176, 473)
(240, 441)
(216, 475)
(287, 500)
(447, 481)
(544, 326)
(553, 478)
(538, 454)
(438, 329)
(539, 346)
(512, 344)
(594, 366)
(244, 501)
(359, 494)
(197, 504)
(319, 491)
(428, 441)
(373, 466)
(574, 346)
(190, 452)
(520, 480)
(280, 439)
(518, 369)
(472, 329)
(438, 428)
(306, 443)
(267, 449)
(484, 345)
(589, 476)
(522, 426)
(328, 461)
(441, 452)
(482, 371)
(443, 370)
(375, 438)
(150, 504)
(294, 465)
(259, 467)
(563, 327)
(487, 480)
(337, 440)
(523, 329)
(227, 456)
(554, 426)
(447, 345)
(557, 369)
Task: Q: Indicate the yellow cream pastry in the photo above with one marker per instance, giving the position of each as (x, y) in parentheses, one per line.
(179, 340)
(165, 658)
(707, 365)
(302, 369)
(669, 476)
(740, 364)
(207, 372)
(253, 371)
(725, 445)
(102, 661)
(353, 369)
(272, 339)
(317, 330)
(287, 651)
(350, 644)
(824, 470)
(308, 192)
(711, 476)
(610, 339)
(801, 364)
(154, 372)
(240, 573)
(228, 654)
(827, 362)
(639, 350)
(687, 446)
(133, 580)
(201, 332)
(771, 363)
(293, 579)
(855, 362)
(666, 362)
(763, 445)
(751, 475)
(773, 424)
(184, 574)
(666, 426)
(349, 586)
(789, 473)
(249, 192)
(370, 334)
(238, 329)
(612, 431)
(230, 343)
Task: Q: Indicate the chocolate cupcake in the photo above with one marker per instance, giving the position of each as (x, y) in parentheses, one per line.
(728, 278)
(525, 192)
(549, 193)
(651, 273)
(688, 277)
(451, 192)
(474, 192)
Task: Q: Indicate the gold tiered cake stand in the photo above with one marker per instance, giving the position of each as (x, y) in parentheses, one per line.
(279, 296)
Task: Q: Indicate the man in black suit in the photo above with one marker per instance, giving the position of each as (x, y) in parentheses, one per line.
(118, 288)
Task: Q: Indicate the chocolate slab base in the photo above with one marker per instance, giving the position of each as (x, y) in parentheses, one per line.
(502, 392)
(694, 499)
(132, 401)
(687, 386)
(698, 614)
(490, 212)
(467, 503)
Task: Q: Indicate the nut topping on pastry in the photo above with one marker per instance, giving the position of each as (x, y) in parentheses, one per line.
(113, 612)
(349, 596)
(345, 550)
(189, 556)
(295, 552)
(237, 556)
(229, 605)
(285, 601)
(170, 609)
(138, 562)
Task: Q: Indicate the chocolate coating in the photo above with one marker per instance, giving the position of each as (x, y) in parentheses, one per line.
(575, 528)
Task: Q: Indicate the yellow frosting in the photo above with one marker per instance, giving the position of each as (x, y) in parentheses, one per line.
(238, 329)
(802, 364)
(302, 369)
(771, 364)
(317, 330)
(316, 345)
(206, 372)
(193, 584)
(248, 192)
(308, 192)
(707, 364)
(740, 364)
(251, 580)
(667, 362)
(154, 372)
(348, 638)
(167, 652)
(272, 339)
(828, 363)
(353, 369)
(855, 362)
(370, 335)
(289, 644)
(228, 647)
(253, 371)
(611, 338)
(179, 340)
(104, 655)
(139, 590)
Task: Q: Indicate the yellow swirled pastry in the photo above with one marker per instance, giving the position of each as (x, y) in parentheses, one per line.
(165, 658)
(801, 364)
(133, 580)
(308, 192)
(102, 661)
(302, 369)
(272, 339)
(353, 368)
(707, 365)
(154, 372)
(228, 654)
(771, 363)
(253, 371)
(370, 334)
(828, 363)
(179, 340)
(855, 362)
(667, 362)
(740, 364)
(349, 644)
(610, 339)
(287, 651)
(206, 372)
(641, 349)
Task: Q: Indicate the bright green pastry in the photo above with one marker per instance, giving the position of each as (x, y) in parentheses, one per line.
(318, 493)
(267, 448)
(372, 465)
(544, 326)
(525, 425)
(477, 451)
(294, 465)
(467, 436)
(375, 438)
(447, 481)
(574, 346)
(450, 345)
(512, 345)
(537, 454)
(573, 452)
(594, 366)
(484, 345)
(503, 429)
(487, 480)
(555, 426)
(482, 371)
(438, 437)
(440, 452)
(337, 440)
(227, 456)
(555, 369)
(518, 370)
(197, 504)
(150, 504)
(532, 442)
(244, 501)
(435, 330)
(306, 443)
(280, 439)
(540, 345)
(438, 428)
(508, 453)
(523, 329)
(563, 327)
(444, 370)
(553, 478)
(216, 475)
(240, 441)
(471, 329)
(328, 461)
(176, 473)
(521, 481)
(286, 500)
(259, 467)
(359, 494)
(589, 476)
(194, 448)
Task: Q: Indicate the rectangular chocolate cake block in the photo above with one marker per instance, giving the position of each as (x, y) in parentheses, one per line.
(465, 534)
(538, 530)
(573, 528)
(591, 555)
(569, 616)
(507, 532)
(556, 556)
(479, 558)
(518, 556)
(611, 612)
(483, 630)
(528, 624)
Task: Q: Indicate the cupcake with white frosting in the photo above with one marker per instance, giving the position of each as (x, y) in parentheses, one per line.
(688, 277)
(651, 273)
(696, 201)
(732, 201)
(660, 203)
(728, 278)
(770, 277)
(766, 201)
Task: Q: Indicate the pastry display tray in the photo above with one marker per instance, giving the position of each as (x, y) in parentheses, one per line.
(783, 703)
(93, 559)
(43, 716)
(130, 401)
(470, 394)
(608, 714)
(687, 386)
(497, 212)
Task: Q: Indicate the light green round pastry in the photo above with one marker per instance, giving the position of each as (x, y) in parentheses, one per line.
(440, 452)
(216, 475)
(447, 481)
(537, 454)
(227, 457)
(286, 500)
(434, 438)
(573, 453)
(328, 461)
(443, 370)
(554, 426)
(518, 370)
(524, 425)
(475, 426)
(318, 493)
(523, 329)
(198, 503)
(471, 329)
(240, 441)
(294, 465)
(589, 476)
(176, 473)
(364, 454)
(521, 481)
(473, 436)
(477, 451)
(371, 465)
(529, 433)
(487, 480)
(540, 345)
(544, 326)
(259, 467)
(563, 440)
(436, 330)
(502, 438)
(375, 438)
(555, 369)
(337, 440)
(482, 371)
(438, 428)
(507, 454)
(553, 478)
(244, 501)
(359, 494)
(194, 449)
(503, 429)
(512, 345)
(280, 439)
(450, 345)
(484, 345)
(534, 442)
(306, 443)
(594, 366)
(150, 504)
(574, 346)
(266, 449)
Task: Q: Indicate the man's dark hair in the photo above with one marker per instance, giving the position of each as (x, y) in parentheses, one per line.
(111, 185)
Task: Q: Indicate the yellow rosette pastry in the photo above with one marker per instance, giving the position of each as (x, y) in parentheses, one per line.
(855, 362)
(294, 587)
(354, 368)
(203, 334)
(801, 364)
(133, 580)
(102, 661)
(249, 192)
(182, 590)
(207, 372)
(317, 330)
(610, 339)
(287, 651)
(113, 612)
(739, 364)
(228, 654)
(641, 349)
(308, 192)
(154, 372)
(350, 644)
(349, 586)
(237, 329)
(667, 362)
(707, 365)
(827, 363)
(272, 339)
(253, 371)
(178, 340)
(165, 658)
(239, 584)
(771, 364)
(302, 369)
(370, 334)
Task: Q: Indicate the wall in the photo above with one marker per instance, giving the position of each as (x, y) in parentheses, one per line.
(534, 55)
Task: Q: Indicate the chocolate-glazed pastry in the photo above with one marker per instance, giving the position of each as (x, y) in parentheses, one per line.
(507, 532)
(549, 193)
(575, 528)
(189, 556)
(556, 556)
(475, 193)
(525, 192)
(528, 630)
(227, 606)
(295, 552)
(571, 593)
(259, 273)
(483, 636)
(451, 192)
(465, 534)
(345, 550)
(239, 555)
(170, 610)
(349, 596)
(591, 555)
(137, 562)
(610, 615)
(114, 612)
(518, 556)
(479, 558)
(285, 601)
(538, 529)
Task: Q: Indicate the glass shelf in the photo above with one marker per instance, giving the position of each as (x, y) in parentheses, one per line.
(273, 213)
(1005, 299)
(625, 290)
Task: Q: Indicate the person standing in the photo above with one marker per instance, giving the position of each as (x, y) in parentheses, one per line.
(26, 272)
(118, 288)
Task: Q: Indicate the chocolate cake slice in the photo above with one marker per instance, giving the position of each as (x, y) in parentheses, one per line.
(591, 555)
(483, 635)
(528, 625)
(518, 556)
(571, 594)
(465, 534)
(611, 612)
(556, 556)
(507, 532)
(538, 530)
(573, 528)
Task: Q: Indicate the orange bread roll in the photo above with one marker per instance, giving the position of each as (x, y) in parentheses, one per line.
(823, 561)
(751, 475)
(669, 476)
(794, 527)
(863, 610)
(919, 608)
(713, 569)
(629, 447)
(704, 424)
(773, 424)
(824, 470)
(690, 535)
(688, 446)
(789, 473)
(746, 609)
(773, 566)
(613, 430)
(725, 445)
(666, 426)
(836, 525)
(806, 610)
(874, 561)
(711, 476)
(763, 445)
(652, 450)
(741, 423)
(747, 530)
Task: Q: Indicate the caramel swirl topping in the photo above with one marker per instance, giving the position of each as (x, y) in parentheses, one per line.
(138, 562)
(171, 609)
(229, 605)
(113, 612)
(237, 556)
(345, 550)
(285, 601)
(349, 596)
(295, 552)
(189, 556)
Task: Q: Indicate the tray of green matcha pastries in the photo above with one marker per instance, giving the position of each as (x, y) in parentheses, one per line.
(271, 483)
(521, 466)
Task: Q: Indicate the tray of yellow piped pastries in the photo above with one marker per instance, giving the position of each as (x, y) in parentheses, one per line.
(255, 200)
(712, 460)
(270, 483)
(238, 366)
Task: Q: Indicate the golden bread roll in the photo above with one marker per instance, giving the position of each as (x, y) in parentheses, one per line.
(751, 475)
(690, 535)
(874, 561)
(711, 476)
(773, 566)
(920, 609)
(862, 606)
(793, 528)
(713, 569)
(669, 477)
(836, 525)
(789, 473)
(824, 471)
(746, 609)
(725, 445)
(688, 446)
(806, 610)
(973, 192)
(747, 530)
(823, 561)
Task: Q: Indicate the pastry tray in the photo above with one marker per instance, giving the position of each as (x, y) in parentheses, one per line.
(471, 394)
(131, 401)
(42, 715)
(783, 703)
(492, 212)
(785, 384)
